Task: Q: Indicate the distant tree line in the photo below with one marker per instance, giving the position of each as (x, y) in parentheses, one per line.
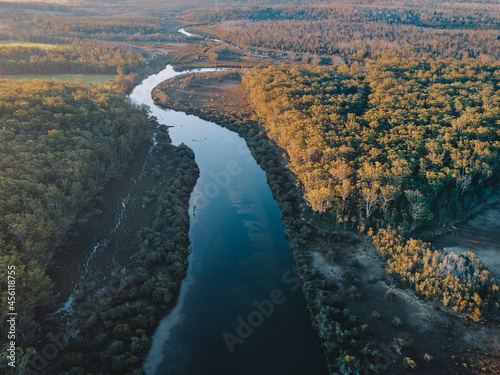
(78, 57)
(330, 37)
(61, 29)
(436, 30)
(433, 16)
(10, 10)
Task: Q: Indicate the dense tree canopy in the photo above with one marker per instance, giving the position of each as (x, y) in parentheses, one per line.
(396, 142)
(59, 142)
(398, 139)
(139, 29)
(363, 30)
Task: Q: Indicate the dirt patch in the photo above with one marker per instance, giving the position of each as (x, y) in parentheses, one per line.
(426, 326)
(480, 235)
(328, 270)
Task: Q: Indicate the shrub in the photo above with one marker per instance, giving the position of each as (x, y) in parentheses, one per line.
(390, 296)
(354, 292)
(396, 321)
(409, 363)
(117, 347)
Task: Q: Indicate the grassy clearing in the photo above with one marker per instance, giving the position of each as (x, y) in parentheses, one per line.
(16, 43)
(64, 77)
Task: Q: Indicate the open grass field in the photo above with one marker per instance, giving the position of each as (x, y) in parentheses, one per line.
(84, 77)
(16, 43)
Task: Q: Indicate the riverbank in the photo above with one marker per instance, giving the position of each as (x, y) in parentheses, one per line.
(342, 270)
(209, 53)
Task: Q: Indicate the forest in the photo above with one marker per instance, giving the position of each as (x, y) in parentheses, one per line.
(59, 144)
(430, 17)
(63, 29)
(81, 56)
(397, 143)
(402, 143)
(362, 31)
(117, 326)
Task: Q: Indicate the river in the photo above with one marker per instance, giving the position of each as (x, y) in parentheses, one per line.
(184, 32)
(240, 310)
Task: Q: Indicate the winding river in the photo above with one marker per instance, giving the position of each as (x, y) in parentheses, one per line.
(240, 310)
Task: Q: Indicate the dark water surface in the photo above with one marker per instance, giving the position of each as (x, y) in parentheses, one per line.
(239, 309)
